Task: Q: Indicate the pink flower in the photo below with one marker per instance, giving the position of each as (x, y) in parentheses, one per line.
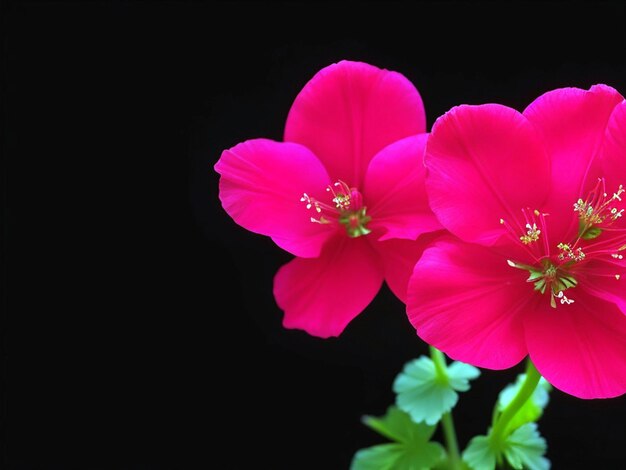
(344, 193)
(536, 200)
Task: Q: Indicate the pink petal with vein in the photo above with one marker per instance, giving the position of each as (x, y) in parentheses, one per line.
(579, 348)
(484, 163)
(395, 184)
(399, 257)
(322, 295)
(261, 184)
(349, 111)
(468, 302)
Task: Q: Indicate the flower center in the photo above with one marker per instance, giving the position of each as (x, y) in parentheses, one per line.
(555, 271)
(598, 211)
(345, 208)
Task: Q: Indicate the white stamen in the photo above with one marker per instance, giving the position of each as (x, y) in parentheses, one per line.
(532, 234)
(564, 299)
(566, 252)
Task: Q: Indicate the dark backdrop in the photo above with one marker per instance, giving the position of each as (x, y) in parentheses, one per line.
(140, 320)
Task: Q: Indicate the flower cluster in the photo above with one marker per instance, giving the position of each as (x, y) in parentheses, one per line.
(502, 232)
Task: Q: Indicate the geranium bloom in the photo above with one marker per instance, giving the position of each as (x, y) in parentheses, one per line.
(536, 201)
(344, 193)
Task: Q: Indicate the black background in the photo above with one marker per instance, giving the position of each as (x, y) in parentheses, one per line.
(139, 318)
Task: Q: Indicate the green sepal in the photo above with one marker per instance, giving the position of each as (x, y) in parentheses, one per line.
(534, 275)
(540, 285)
(410, 451)
(564, 282)
(361, 219)
(426, 393)
(588, 233)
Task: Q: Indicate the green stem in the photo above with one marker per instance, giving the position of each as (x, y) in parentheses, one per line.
(449, 435)
(440, 364)
(447, 423)
(498, 433)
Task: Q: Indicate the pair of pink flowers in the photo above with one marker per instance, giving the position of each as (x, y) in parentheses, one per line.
(532, 204)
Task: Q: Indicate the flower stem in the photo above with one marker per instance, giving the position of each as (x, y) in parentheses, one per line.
(440, 363)
(447, 423)
(498, 433)
(449, 435)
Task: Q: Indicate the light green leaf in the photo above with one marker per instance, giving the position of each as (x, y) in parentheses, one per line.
(479, 455)
(398, 426)
(397, 457)
(381, 457)
(426, 394)
(447, 464)
(523, 449)
(531, 410)
(410, 451)
(460, 374)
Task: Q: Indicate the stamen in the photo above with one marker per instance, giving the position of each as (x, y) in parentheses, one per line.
(312, 202)
(576, 254)
(321, 220)
(598, 209)
(564, 299)
(532, 234)
(615, 214)
(341, 197)
(514, 234)
(346, 209)
(598, 239)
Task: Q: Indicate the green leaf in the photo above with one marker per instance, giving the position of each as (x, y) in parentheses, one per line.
(410, 451)
(479, 455)
(426, 394)
(447, 464)
(398, 426)
(531, 410)
(523, 449)
(397, 457)
(381, 457)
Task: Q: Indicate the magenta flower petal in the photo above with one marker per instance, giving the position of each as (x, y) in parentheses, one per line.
(485, 163)
(571, 123)
(309, 194)
(395, 182)
(399, 257)
(558, 287)
(610, 161)
(349, 111)
(599, 278)
(466, 301)
(260, 188)
(603, 277)
(580, 349)
(322, 295)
